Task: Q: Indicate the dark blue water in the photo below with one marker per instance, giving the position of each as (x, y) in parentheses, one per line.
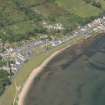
(75, 77)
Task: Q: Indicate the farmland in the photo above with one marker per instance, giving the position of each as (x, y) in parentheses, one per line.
(21, 18)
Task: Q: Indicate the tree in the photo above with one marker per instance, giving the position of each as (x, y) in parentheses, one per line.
(4, 80)
(45, 39)
(97, 4)
(2, 62)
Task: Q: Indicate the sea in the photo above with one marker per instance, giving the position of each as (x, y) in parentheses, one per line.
(74, 77)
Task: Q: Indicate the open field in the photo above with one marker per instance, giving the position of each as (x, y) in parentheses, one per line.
(22, 17)
(79, 7)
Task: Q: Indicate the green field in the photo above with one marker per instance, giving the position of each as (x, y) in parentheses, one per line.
(79, 7)
(22, 17)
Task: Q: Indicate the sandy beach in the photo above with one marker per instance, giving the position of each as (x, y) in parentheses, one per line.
(32, 76)
(35, 73)
(73, 77)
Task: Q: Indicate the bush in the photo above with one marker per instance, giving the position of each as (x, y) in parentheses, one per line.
(97, 4)
(4, 80)
(94, 3)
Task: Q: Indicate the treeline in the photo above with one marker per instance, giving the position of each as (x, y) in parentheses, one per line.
(4, 81)
(21, 6)
(95, 3)
(14, 37)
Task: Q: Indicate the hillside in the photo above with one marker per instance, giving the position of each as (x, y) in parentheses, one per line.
(22, 19)
(80, 7)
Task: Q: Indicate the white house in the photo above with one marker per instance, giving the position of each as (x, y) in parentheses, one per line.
(55, 43)
(57, 26)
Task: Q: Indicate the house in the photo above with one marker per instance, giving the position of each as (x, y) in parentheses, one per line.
(89, 25)
(17, 62)
(55, 43)
(21, 57)
(57, 26)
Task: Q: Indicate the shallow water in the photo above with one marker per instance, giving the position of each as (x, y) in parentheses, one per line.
(75, 77)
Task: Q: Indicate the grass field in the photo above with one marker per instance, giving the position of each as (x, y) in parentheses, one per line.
(79, 7)
(26, 13)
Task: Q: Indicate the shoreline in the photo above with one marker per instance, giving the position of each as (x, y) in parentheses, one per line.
(35, 73)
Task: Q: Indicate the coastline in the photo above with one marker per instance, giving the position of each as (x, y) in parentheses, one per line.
(65, 74)
(19, 81)
(37, 71)
(33, 74)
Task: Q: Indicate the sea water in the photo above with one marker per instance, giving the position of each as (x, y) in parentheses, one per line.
(74, 77)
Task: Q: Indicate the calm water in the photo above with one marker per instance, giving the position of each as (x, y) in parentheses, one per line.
(75, 77)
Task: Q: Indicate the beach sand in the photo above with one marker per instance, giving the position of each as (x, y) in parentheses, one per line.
(34, 74)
